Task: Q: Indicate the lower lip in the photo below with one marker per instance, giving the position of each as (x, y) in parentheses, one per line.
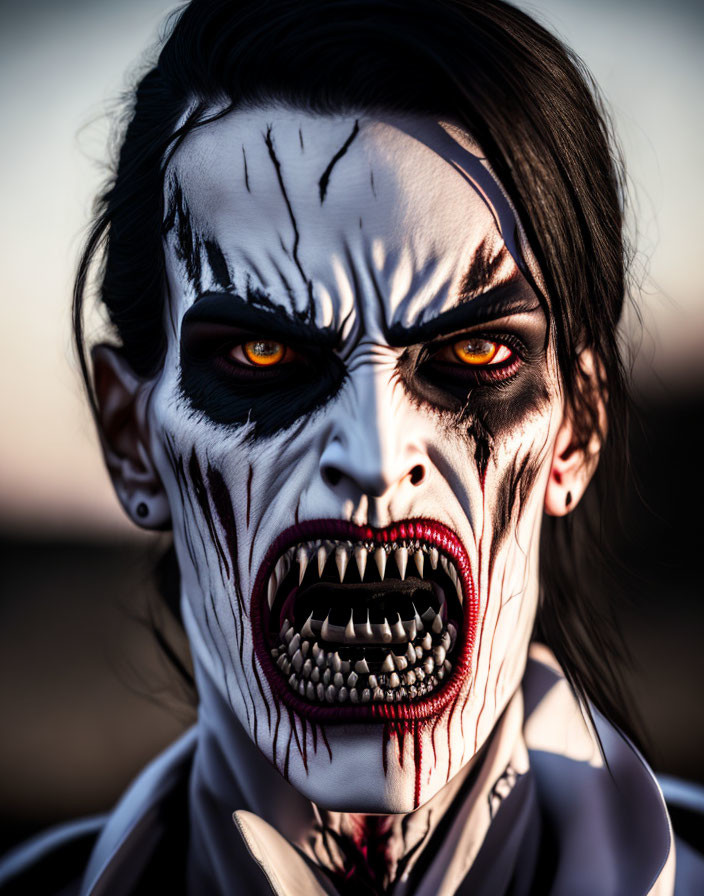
(432, 533)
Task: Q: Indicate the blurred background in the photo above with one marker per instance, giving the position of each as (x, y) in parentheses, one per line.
(85, 698)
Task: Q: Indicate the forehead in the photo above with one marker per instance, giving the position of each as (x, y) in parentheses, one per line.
(332, 207)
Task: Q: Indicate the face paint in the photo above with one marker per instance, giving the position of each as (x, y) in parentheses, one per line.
(357, 519)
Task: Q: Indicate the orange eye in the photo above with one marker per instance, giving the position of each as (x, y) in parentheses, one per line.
(478, 352)
(263, 352)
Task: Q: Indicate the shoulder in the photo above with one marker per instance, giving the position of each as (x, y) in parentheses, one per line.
(611, 818)
(53, 862)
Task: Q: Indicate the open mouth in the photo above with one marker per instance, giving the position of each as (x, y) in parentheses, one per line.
(352, 621)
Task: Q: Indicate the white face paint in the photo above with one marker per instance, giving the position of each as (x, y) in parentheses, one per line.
(364, 259)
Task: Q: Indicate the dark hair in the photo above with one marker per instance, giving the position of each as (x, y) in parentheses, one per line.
(531, 106)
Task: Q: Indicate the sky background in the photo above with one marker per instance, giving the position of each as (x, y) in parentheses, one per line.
(62, 69)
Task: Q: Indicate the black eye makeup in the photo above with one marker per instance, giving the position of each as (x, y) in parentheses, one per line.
(241, 363)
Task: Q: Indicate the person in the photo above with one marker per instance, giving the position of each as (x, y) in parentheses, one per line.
(364, 264)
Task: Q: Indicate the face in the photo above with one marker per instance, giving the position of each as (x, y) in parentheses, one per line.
(354, 426)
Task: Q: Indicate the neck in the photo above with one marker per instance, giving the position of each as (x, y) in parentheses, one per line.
(360, 853)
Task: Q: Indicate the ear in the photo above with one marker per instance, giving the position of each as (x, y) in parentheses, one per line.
(122, 399)
(573, 462)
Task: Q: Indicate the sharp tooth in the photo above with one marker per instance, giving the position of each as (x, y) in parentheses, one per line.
(320, 659)
(282, 661)
(428, 616)
(341, 558)
(439, 654)
(363, 630)
(352, 679)
(307, 630)
(307, 668)
(361, 667)
(410, 677)
(284, 629)
(434, 557)
(302, 688)
(416, 618)
(322, 559)
(349, 630)
(380, 560)
(325, 630)
(382, 631)
(320, 691)
(281, 569)
(336, 662)
(420, 562)
(330, 693)
(390, 696)
(373, 683)
(445, 567)
(342, 694)
(354, 696)
(366, 695)
(399, 632)
(447, 665)
(411, 654)
(428, 665)
(402, 561)
(345, 667)
(437, 625)
(293, 680)
(360, 555)
(305, 647)
(327, 677)
(452, 632)
(420, 674)
(446, 640)
(338, 680)
(315, 675)
(409, 627)
(310, 691)
(419, 652)
(401, 662)
(394, 680)
(271, 592)
(294, 644)
(388, 664)
(302, 559)
(297, 660)
(377, 695)
(427, 641)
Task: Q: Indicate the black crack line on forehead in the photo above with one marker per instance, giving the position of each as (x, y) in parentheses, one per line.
(300, 140)
(246, 170)
(189, 243)
(371, 182)
(217, 264)
(296, 235)
(325, 177)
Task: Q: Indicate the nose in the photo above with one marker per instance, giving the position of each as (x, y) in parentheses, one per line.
(373, 447)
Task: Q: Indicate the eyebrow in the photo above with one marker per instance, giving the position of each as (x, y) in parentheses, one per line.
(511, 297)
(258, 312)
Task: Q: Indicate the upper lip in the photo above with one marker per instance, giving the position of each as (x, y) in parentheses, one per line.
(431, 538)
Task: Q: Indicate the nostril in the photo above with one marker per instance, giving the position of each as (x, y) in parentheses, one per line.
(417, 474)
(332, 475)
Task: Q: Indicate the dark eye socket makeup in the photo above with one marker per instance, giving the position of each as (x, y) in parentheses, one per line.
(240, 356)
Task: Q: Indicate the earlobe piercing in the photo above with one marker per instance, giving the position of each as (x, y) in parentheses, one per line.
(142, 510)
(568, 499)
